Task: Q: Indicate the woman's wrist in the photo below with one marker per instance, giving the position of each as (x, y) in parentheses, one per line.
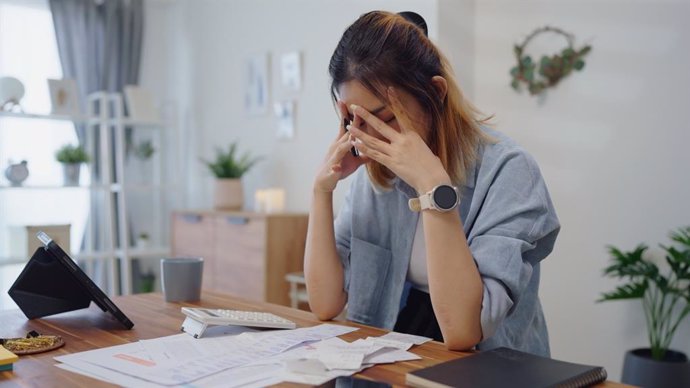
(320, 191)
(432, 180)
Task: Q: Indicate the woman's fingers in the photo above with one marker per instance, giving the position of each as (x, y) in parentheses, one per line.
(341, 138)
(344, 146)
(370, 141)
(399, 111)
(375, 154)
(374, 122)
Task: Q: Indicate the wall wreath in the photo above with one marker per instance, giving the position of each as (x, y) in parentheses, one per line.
(538, 76)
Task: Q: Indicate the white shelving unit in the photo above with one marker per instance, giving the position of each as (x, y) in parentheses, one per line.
(106, 116)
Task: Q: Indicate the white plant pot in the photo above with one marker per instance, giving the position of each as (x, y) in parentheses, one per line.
(71, 173)
(142, 243)
(228, 194)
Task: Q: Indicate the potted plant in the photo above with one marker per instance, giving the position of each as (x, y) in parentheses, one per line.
(71, 158)
(666, 303)
(142, 240)
(143, 151)
(228, 168)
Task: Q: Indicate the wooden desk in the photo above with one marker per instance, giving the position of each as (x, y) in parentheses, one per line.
(91, 328)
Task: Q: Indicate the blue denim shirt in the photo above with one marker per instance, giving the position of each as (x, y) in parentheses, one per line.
(510, 225)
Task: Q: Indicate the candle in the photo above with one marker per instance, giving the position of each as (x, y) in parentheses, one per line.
(275, 200)
(260, 201)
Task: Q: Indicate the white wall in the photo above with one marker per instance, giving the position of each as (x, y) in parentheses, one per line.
(456, 39)
(612, 142)
(222, 35)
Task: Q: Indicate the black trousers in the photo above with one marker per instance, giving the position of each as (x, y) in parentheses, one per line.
(417, 316)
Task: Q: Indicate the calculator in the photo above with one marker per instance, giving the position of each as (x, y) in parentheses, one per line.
(198, 319)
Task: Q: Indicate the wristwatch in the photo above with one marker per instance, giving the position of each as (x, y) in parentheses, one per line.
(441, 198)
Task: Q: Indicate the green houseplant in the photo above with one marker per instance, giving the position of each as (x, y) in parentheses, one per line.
(228, 167)
(142, 241)
(143, 150)
(69, 154)
(665, 298)
(71, 157)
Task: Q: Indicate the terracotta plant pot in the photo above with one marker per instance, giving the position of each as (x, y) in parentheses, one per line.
(642, 370)
(228, 194)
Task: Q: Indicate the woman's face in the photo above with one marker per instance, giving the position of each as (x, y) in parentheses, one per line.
(353, 92)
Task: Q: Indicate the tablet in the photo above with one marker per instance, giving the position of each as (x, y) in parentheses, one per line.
(53, 283)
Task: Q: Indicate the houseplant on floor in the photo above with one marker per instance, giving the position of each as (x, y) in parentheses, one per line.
(71, 158)
(228, 168)
(666, 303)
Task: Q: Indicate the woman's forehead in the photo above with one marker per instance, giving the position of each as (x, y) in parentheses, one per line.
(353, 92)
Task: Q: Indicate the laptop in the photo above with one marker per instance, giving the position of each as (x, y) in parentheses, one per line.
(52, 283)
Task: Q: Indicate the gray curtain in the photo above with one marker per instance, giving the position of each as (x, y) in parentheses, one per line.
(99, 43)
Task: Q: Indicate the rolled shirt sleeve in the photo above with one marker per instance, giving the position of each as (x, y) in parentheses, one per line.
(513, 230)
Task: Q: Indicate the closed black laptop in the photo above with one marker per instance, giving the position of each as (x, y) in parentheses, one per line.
(53, 283)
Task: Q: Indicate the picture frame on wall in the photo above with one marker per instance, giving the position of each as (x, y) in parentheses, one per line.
(64, 97)
(285, 114)
(291, 71)
(256, 99)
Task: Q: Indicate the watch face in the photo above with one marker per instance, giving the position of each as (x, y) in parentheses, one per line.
(445, 197)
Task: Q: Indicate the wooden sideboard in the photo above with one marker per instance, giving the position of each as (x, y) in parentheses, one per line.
(245, 254)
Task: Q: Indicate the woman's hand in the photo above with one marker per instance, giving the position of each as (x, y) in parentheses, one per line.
(339, 163)
(405, 154)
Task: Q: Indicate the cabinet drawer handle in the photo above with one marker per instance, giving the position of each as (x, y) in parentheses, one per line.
(192, 218)
(234, 220)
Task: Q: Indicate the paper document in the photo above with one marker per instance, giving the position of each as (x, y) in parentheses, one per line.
(182, 359)
(241, 357)
(408, 338)
(389, 343)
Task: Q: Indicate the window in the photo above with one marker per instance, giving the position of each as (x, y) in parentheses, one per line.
(28, 52)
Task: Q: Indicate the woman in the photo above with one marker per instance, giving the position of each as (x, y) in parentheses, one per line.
(442, 233)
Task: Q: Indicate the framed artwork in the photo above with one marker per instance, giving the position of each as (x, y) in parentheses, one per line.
(291, 71)
(140, 104)
(285, 113)
(256, 85)
(64, 97)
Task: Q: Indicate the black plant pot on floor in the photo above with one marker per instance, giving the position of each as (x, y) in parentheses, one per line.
(642, 370)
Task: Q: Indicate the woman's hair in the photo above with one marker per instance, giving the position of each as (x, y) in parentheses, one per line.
(382, 49)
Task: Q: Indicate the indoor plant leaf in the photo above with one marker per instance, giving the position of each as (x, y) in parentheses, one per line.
(666, 298)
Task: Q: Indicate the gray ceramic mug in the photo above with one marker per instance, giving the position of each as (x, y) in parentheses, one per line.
(181, 278)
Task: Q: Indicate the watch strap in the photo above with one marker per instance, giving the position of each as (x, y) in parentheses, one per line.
(421, 203)
(425, 201)
(413, 204)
